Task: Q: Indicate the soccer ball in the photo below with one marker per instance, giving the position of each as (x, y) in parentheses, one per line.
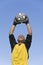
(20, 17)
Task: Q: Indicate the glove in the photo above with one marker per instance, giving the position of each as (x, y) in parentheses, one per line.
(16, 22)
(26, 21)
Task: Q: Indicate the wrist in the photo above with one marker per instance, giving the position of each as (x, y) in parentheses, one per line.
(28, 25)
(27, 20)
(14, 23)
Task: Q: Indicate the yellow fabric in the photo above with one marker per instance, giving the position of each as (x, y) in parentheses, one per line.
(19, 55)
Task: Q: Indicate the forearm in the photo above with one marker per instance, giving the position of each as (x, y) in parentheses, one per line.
(12, 29)
(29, 29)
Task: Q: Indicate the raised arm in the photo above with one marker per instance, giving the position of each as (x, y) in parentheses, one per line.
(14, 25)
(11, 35)
(12, 29)
(29, 29)
(29, 35)
(26, 21)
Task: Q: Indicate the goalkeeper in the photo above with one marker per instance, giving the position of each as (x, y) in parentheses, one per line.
(19, 51)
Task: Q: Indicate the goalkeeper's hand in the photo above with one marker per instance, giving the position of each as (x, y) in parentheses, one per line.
(16, 21)
(26, 21)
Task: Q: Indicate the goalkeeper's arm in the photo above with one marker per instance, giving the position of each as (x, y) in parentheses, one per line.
(29, 29)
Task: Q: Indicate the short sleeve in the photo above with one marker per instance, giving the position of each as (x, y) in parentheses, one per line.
(28, 41)
(12, 41)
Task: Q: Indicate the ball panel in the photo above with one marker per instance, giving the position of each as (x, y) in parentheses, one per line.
(20, 17)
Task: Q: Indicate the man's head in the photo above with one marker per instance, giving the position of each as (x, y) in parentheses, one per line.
(21, 39)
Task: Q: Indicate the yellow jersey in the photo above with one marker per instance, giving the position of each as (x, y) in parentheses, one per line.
(19, 55)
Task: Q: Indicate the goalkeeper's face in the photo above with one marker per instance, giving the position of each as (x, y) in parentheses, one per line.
(21, 39)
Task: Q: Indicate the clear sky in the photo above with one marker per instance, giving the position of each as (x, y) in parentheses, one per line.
(34, 10)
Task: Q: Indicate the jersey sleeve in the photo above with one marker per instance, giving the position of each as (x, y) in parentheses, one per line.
(12, 41)
(28, 41)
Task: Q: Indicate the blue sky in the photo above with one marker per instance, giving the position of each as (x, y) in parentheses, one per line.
(34, 10)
